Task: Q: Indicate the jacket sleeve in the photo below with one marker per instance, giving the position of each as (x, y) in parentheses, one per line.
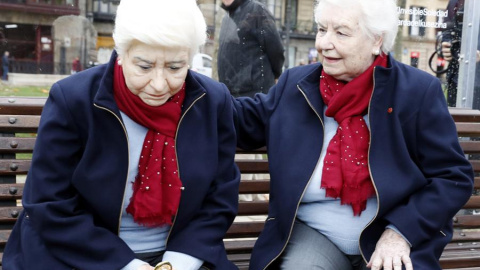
(448, 174)
(271, 41)
(203, 236)
(54, 208)
(252, 115)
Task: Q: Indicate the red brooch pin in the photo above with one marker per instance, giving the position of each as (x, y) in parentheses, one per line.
(390, 110)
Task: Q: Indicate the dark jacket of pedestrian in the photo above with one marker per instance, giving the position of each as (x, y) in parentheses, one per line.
(250, 55)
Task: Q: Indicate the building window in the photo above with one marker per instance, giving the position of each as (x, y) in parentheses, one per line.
(417, 18)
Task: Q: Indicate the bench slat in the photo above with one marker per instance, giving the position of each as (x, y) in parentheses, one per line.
(252, 166)
(254, 186)
(14, 166)
(253, 208)
(22, 105)
(16, 145)
(11, 192)
(468, 129)
(245, 229)
(19, 123)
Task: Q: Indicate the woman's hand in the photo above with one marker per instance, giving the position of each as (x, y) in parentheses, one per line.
(391, 252)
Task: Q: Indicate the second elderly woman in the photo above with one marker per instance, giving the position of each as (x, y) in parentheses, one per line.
(366, 168)
(134, 160)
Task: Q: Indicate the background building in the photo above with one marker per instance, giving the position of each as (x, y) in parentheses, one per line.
(44, 36)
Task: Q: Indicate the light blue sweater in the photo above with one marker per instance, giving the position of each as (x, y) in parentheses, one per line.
(327, 215)
(139, 238)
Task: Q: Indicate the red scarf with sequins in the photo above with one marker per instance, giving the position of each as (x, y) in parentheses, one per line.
(345, 172)
(157, 187)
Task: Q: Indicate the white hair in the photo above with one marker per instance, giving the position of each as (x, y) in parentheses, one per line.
(166, 23)
(379, 18)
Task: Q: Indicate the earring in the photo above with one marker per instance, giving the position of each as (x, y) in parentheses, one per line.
(376, 52)
(119, 62)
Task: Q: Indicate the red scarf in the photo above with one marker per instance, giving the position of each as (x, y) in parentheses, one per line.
(345, 170)
(157, 187)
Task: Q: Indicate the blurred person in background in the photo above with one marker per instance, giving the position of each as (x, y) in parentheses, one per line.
(5, 64)
(250, 56)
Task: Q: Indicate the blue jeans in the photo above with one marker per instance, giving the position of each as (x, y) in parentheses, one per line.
(309, 249)
(5, 73)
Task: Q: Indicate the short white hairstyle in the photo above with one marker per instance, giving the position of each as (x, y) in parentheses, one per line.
(165, 23)
(378, 18)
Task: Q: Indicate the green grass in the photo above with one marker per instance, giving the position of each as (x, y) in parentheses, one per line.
(23, 91)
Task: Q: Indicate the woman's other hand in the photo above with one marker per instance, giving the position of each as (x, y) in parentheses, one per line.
(391, 252)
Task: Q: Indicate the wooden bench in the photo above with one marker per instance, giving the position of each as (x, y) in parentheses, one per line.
(19, 118)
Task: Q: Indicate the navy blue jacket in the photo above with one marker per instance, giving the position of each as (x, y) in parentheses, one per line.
(419, 171)
(74, 192)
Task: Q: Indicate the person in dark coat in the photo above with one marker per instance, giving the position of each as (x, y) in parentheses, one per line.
(451, 45)
(5, 64)
(365, 163)
(134, 160)
(250, 56)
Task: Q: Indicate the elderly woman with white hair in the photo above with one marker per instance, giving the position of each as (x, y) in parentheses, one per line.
(134, 161)
(366, 169)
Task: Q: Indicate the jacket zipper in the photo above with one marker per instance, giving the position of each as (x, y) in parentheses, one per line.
(126, 179)
(176, 156)
(369, 171)
(304, 189)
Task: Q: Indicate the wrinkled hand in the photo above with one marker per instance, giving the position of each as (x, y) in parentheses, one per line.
(391, 252)
(447, 53)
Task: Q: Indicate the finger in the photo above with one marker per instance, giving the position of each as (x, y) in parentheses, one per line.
(377, 264)
(397, 263)
(407, 262)
(387, 263)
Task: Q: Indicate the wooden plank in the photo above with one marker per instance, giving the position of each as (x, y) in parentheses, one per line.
(254, 186)
(252, 166)
(253, 208)
(16, 145)
(475, 165)
(9, 192)
(19, 123)
(460, 260)
(462, 246)
(14, 166)
(466, 221)
(239, 246)
(9, 215)
(470, 147)
(466, 236)
(473, 203)
(468, 129)
(22, 105)
(464, 114)
(245, 229)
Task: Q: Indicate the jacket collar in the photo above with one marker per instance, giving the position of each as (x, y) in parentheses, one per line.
(310, 86)
(105, 98)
